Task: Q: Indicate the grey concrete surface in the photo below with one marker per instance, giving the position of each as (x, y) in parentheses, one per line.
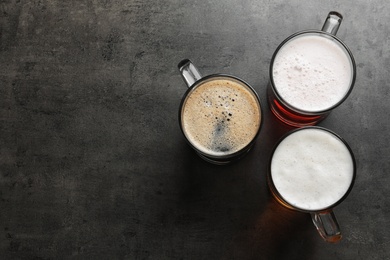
(92, 161)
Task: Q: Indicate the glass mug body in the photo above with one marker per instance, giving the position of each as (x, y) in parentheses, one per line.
(322, 216)
(213, 128)
(296, 102)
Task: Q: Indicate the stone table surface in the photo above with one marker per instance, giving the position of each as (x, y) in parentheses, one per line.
(93, 164)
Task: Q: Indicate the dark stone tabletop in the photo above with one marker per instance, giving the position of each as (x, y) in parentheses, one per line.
(93, 164)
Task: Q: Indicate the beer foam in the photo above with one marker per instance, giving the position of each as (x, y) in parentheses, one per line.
(221, 116)
(312, 72)
(312, 169)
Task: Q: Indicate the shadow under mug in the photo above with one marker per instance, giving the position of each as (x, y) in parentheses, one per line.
(219, 115)
(290, 90)
(312, 170)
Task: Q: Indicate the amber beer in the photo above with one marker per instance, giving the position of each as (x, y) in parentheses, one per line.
(312, 170)
(311, 73)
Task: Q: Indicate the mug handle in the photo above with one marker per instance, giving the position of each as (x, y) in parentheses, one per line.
(332, 22)
(327, 226)
(189, 72)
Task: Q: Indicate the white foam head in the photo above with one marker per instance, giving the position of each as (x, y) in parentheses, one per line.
(312, 72)
(312, 169)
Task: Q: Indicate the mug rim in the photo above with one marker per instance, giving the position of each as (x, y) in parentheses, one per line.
(323, 34)
(221, 159)
(276, 193)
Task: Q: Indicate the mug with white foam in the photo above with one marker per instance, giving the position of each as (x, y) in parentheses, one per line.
(220, 115)
(312, 170)
(311, 73)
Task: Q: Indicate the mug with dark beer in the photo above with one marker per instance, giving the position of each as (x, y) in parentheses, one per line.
(220, 115)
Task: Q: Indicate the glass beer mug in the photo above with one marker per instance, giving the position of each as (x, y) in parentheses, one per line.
(220, 115)
(312, 170)
(311, 73)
